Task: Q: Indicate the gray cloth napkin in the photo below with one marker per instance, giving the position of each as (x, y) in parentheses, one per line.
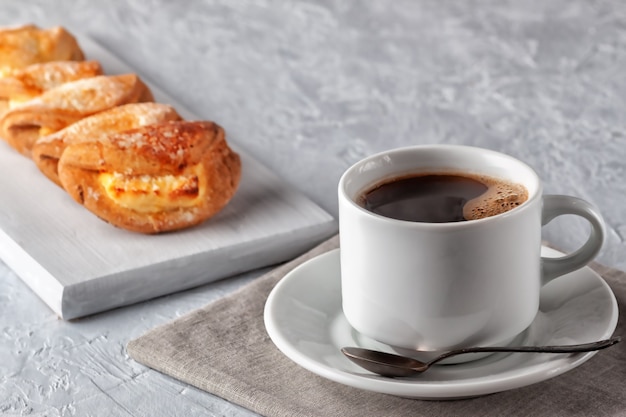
(224, 349)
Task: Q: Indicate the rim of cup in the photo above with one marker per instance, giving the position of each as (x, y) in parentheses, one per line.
(530, 181)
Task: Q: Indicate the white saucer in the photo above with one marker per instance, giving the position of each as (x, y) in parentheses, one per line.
(304, 319)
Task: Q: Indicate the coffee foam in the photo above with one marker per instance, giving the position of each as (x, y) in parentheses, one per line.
(500, 197)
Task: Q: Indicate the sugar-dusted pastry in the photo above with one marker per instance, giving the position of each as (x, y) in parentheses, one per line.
(23, 84)
(155, 178)
(22, 46)
(61, 106)
(47, 151)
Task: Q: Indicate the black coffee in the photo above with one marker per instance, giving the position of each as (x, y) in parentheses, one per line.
(443, 198)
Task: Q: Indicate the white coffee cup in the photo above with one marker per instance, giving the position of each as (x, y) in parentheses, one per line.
(440, 286)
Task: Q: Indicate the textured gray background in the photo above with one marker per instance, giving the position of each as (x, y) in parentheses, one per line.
(309, 88)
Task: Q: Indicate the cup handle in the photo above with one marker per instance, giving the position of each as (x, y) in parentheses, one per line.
(558, 205)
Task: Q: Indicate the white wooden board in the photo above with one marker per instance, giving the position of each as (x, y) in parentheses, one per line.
(80, 265)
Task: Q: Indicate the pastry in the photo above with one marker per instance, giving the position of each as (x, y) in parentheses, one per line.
(25, 45)
(155, 178)
(47, 151)
(61, 106)
(23, 84)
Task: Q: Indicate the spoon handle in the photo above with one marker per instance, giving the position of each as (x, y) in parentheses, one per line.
(584, 347)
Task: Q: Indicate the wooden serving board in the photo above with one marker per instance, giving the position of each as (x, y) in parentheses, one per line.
(80, 265)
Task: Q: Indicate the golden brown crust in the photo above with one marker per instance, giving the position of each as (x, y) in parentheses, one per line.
(61, 106)
(47, 151)
(28, 44)
(29, 82)
(196, 150)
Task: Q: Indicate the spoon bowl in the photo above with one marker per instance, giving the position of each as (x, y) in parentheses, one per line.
(392, 365)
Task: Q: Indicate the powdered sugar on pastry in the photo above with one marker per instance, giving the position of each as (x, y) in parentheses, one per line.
(117, 119)
(48, 149)
(91, 95)
(61, 106)
(22, 84)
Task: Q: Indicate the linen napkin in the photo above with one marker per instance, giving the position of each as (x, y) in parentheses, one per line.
(223, 348)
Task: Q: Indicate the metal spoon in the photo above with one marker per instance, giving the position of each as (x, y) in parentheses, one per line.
(390, 365)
